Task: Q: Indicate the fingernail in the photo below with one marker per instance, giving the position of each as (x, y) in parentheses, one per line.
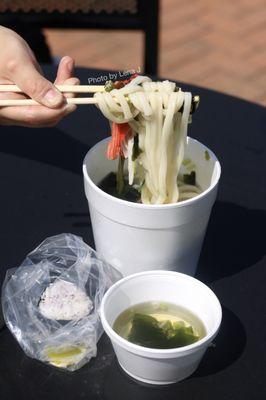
(70, 65)
(53, 97)
(70, 108)
(76, 81)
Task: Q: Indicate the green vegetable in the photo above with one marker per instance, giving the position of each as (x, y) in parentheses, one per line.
(148, 332)
(190, 179)
(186, 161)
(120, 180)
(136, 149)
(109, 185)
(145, 331)
(195, 103)
(189, 165)
(207, 155)
(109, 85)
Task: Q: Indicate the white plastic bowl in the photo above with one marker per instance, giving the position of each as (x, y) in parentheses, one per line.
(158, 366)
(137, 237)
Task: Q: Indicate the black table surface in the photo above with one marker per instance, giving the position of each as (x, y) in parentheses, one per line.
(42, 195)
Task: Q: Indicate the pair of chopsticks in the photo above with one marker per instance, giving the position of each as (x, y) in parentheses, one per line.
(61, 88)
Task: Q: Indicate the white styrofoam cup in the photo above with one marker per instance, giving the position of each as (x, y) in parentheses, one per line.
(159, 366)
(136, 237)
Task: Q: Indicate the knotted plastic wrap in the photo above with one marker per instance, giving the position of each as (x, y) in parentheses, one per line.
(61, 269)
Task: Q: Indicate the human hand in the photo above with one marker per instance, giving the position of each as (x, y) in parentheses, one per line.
(18, 66)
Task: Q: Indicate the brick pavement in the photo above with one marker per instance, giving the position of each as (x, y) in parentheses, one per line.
(218, 45)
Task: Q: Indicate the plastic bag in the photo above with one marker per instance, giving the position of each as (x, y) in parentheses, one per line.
(66, 261)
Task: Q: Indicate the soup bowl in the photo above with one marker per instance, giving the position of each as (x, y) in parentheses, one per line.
(160, 366)
(136, 237)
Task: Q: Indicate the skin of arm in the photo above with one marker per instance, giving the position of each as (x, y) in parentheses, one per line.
(19, 66)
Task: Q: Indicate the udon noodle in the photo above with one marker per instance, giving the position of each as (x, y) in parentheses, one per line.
(158, 114)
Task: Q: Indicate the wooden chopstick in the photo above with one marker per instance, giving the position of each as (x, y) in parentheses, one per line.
(30, 102)
(61, 88)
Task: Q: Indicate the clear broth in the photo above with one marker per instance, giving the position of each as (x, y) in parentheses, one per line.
(129, 193)
(159, 325)
(132, 192)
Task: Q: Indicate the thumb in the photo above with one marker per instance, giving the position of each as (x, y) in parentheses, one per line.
(32, 83)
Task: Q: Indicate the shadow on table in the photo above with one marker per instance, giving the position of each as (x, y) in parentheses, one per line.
(227, 346)
(49, 146)
(103, 378)
(79, 220)
(218, 357)
(26, 379)
(234, 241)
